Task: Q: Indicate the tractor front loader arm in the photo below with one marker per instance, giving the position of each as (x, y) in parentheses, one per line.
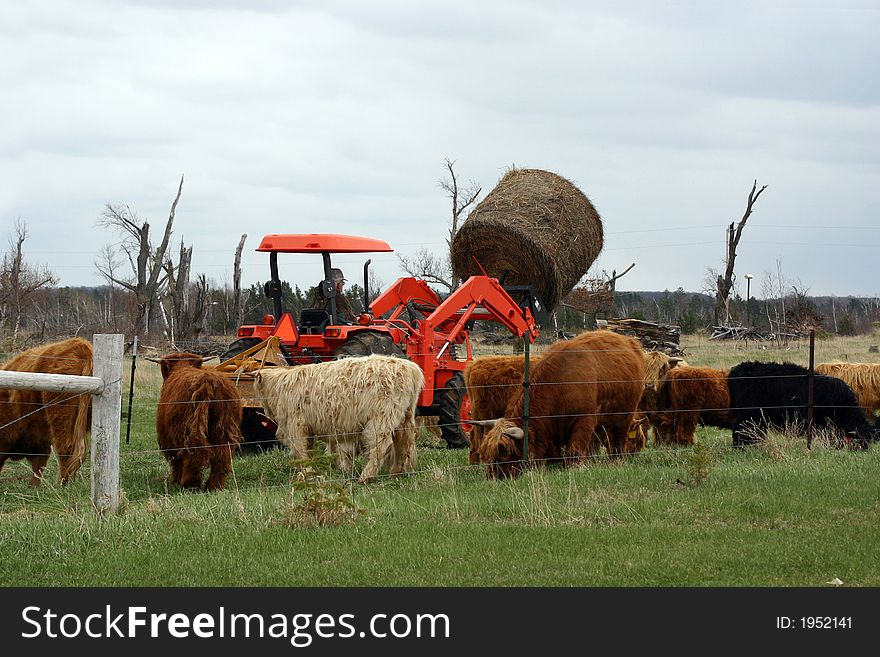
(482, 298)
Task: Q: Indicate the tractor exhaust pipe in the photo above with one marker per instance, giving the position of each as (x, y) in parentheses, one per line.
(367, 286)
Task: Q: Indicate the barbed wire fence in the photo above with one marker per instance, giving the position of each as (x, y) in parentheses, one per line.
(103, 453)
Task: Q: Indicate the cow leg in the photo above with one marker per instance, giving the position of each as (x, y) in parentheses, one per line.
(617, 431)
(740, 439)
(473, 452)
(176, 462)
(685, 428)
(192, 473)
(379, 442)
(38, 464)
(581, 440)
(664, 431)
(221, 466)
(404, 438)
(617, 439)
(298, 442)
(345, 454)
(67, 467)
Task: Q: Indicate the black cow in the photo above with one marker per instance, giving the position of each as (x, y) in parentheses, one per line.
(767, 395)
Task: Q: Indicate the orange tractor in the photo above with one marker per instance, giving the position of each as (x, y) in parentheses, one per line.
(408, 319)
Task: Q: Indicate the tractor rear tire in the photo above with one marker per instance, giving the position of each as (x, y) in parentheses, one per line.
(369, 342)
(240, 345)
(450, 412)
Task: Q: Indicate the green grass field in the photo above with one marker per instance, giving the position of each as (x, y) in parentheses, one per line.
(773, 515)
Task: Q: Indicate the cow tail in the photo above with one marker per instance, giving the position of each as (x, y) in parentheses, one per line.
(82, 424)
(197, 433)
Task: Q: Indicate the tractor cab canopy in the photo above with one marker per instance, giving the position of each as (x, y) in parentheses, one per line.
(322, 243)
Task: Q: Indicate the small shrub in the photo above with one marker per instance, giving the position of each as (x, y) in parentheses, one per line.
(699, 464)
(317, 499)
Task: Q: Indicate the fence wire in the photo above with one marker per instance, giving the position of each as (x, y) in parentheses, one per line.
(69, 397)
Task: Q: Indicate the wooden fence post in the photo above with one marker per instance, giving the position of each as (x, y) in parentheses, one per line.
(106, 409)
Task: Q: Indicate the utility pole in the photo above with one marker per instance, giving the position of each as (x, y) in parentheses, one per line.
(749, 278)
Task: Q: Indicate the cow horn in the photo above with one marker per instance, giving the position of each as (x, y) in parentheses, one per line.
(484, 423)
(152, 360)
(514, 432)
(205, 359)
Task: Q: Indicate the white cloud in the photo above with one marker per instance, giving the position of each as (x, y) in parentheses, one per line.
(337, 116)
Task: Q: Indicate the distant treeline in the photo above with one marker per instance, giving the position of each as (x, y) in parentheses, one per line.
(693, 312)
(55, 312)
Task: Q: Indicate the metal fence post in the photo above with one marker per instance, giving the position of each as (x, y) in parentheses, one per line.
(106, 409)
(134, 355)
(526, 388)
(810, 381)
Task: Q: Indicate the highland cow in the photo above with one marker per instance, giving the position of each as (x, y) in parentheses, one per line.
(492, 381)
(354, 404)
(863, 378)
(688, 397)
(765, 395)
(33, 423)
(583, 386)
(197, 422)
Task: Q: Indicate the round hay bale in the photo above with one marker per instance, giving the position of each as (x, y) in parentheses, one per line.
(538, 226)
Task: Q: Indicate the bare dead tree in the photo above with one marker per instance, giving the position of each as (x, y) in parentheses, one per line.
(20, 280)
(237, 309)
(177, 291)
(147, 263)
(429, 267)
(200, 306)
(433, 268)
(724, 283)
(462, 199)
(110, 264)
(612, 280)
(376, 284)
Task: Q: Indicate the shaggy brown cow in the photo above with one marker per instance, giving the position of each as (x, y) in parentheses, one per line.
(491, 383)
(32, 422)
(690, 396)
(657, 367)
(588, 384)
(198, 421)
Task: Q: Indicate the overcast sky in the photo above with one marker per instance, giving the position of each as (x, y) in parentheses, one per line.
(319, 116)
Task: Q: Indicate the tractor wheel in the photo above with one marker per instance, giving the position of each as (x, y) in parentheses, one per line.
(450, 402)
(370, 342)
(242, 344)
(257, 433)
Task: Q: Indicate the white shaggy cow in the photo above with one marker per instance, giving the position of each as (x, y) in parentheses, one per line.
(367, 402)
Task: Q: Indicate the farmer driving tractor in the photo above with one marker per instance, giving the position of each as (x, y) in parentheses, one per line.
(343, 308)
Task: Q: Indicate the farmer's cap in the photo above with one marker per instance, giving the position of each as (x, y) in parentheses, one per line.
(336, 275)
